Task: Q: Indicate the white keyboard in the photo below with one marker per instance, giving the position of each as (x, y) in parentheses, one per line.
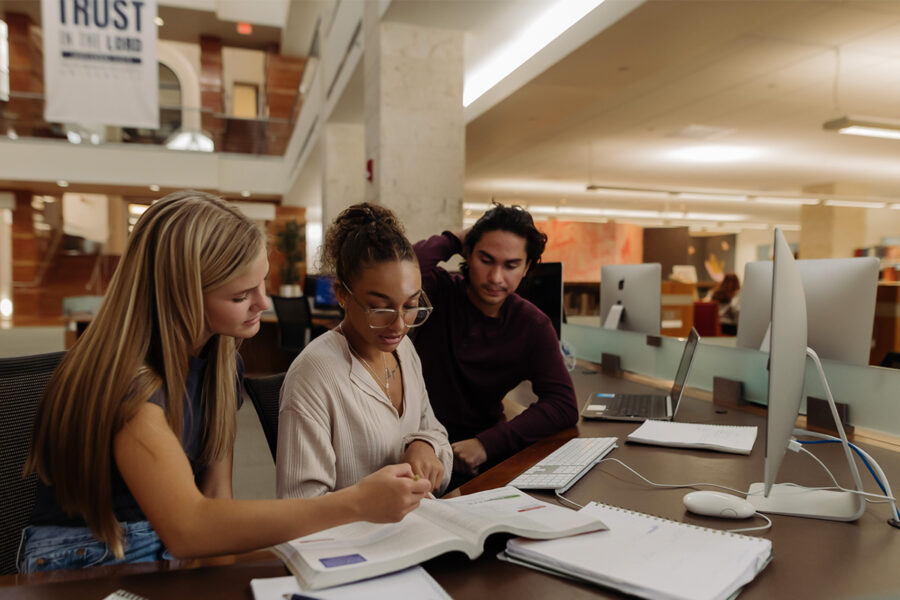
(561, 469)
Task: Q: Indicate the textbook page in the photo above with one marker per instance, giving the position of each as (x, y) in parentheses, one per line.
(475, 516)
(359, 550)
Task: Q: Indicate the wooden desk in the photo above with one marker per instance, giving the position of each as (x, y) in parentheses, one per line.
(813, 559)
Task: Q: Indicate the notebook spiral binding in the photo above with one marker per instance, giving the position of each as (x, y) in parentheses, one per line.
(679, 523)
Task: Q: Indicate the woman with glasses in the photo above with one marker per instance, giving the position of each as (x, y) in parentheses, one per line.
(355, 400)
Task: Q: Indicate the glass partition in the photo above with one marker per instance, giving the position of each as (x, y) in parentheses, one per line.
(873, 393)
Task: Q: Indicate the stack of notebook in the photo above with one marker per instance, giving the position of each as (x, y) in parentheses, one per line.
(649, 557)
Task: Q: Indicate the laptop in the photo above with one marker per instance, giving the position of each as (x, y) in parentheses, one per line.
(640, 407)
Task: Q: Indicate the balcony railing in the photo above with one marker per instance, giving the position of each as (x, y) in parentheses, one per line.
(181, 127)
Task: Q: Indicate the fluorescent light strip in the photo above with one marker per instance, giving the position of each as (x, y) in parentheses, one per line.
(711, 197)
(533, 38)
(786, 201)
(891, 134)
(855, 204)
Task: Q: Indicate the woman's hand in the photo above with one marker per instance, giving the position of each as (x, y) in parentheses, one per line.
(425, 463)
(388, 494)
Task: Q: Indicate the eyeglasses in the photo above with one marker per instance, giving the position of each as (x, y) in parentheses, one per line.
(379, 318)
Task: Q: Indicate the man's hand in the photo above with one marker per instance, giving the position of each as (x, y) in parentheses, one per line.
(470, 453)
(424, 462)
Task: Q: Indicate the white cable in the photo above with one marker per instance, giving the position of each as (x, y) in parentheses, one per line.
(675, 485)
(664, 485)
(821, 464)
(564, 499)
(760, 528)
(889, 495)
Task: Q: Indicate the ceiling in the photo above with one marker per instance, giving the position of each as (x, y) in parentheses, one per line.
(758, 76)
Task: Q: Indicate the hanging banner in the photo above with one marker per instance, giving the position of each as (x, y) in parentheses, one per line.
(100, 62)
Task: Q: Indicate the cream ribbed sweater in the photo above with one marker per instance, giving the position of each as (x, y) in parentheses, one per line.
(336, 425)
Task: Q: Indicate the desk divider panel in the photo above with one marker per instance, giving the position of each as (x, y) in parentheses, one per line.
(872, 393)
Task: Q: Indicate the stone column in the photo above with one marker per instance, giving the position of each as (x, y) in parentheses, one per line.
(832, 231)
(414, 123)
(343, 168)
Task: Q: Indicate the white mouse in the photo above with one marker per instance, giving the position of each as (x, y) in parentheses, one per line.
(717, 504)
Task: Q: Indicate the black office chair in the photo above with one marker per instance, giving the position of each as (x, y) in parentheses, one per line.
(264, 393)
(891, 360)
(295, 326)
(22, 383)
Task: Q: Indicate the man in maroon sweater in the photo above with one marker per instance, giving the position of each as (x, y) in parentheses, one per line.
(482, 340)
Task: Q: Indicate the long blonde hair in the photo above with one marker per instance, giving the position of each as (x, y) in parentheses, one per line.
(140, 341)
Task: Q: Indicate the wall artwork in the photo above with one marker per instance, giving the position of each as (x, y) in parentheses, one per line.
(712, 256)
(584, 247)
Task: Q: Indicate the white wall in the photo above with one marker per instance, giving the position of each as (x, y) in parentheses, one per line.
(881, 223)
(747, 242)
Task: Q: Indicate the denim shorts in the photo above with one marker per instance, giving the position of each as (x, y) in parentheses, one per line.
(51, 547)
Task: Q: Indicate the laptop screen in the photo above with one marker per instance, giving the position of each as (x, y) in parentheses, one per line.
(684, 367)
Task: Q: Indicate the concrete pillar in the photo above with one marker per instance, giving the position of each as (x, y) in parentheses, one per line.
(832, 231)
(343, 168)
(414, 124)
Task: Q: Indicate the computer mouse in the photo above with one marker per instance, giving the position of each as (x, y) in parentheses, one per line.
(718, 504)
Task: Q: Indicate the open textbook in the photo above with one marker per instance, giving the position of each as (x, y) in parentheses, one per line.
(361, 550)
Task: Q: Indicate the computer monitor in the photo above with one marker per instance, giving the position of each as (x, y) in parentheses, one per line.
(543, 287)
(787, 366)
(631, 297)
(321, 288)
(840, 306)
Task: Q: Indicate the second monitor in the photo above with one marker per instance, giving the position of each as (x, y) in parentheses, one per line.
(631, 297)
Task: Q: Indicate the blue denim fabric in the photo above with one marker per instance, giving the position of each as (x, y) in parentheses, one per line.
(51, 547)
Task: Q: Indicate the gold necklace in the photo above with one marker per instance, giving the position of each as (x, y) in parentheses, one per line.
(387, 373)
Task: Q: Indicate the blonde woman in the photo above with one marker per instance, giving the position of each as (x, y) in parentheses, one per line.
(134, 436)
(354, 400)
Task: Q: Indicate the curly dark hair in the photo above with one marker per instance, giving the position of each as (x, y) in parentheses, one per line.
(513, 219)
(361, 235)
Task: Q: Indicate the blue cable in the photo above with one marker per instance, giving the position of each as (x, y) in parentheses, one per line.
(861, 457)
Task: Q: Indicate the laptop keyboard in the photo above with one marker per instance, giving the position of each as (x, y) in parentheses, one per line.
(562, 468)
(635, 404)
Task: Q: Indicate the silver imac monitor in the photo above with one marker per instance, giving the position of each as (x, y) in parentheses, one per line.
(787, 367)
(840, 306)
(631, 298)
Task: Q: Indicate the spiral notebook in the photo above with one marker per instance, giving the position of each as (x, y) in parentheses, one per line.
(736, 439)
(649, 557)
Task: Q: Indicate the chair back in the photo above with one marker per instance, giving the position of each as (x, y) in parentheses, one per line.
(264, 393)
(294, 322)
(706, 319)
(22, 383)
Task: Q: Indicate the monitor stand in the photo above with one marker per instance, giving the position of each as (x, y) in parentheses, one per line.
(799, 501)
(614, 316)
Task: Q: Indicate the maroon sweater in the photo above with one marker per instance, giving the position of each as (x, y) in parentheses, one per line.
(470, 361)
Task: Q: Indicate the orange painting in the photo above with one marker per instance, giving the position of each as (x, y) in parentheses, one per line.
(584, 247)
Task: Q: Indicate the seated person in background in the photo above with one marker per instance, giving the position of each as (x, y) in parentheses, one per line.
(134, 437)
(354, 400)
(483, 340)
(728, 295)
